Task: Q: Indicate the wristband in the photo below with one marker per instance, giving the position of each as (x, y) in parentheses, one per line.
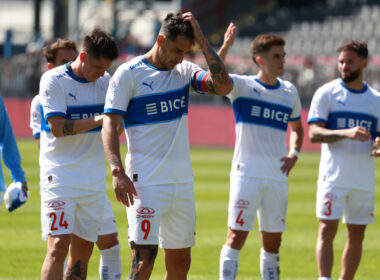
(294, 152)
(116, 171)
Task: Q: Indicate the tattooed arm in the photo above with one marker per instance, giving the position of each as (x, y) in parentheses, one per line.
(61, 126)
(218, 82)
(319, 134)
(122, 184)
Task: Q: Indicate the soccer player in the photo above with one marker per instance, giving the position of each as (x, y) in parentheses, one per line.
(264, 105)
(150, 94)
(72, 161)
(345, 117)
(58, 53)
(10, 153)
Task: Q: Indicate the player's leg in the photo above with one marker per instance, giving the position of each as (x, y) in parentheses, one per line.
(144, 218)
(89, 213)
(110, 261)
(244, 200)
(108, 244)
(142, 261)
(272, 222)
(352, 251)
(57, 222)
(57, 249)
(329, 208)
(324, 250)
(229, 255)
(80, 253)
(358, 212)
(177, 263)
(177, 230)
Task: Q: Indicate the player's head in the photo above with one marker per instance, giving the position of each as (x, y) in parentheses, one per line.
(99, 50)
(267, 51)
(352, 59)
(175, 39)
(60, 52)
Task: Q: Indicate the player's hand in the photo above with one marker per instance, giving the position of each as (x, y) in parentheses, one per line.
(376, 147)
(198, 34)
(288, 163)
(229, 35)
(123, 188)
(25, 187)
(358, 133)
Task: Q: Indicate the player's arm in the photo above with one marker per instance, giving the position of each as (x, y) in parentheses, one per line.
(376, 147)
(218, 82)
(9, 149)
(318, 133)
(60, 126)
(295, 145)
(229, 38)
(122, 185)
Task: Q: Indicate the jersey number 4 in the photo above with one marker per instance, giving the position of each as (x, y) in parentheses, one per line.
(239, 219)
(62, 222)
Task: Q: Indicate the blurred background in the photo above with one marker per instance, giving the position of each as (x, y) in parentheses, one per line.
(313, 29)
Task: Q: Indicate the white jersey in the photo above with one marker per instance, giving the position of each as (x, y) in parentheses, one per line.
(347, 163)
(35, 117)
(262, 114)
(77, 160)
(154, 106)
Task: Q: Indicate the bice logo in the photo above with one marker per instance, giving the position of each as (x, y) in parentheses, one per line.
(145, 212)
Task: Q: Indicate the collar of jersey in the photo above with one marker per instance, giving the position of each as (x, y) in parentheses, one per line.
(71, 74)
(364, 89)
(276, 86)
(151, 66)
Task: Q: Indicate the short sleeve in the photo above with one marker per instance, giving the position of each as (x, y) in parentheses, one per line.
(320, 106)
(297, 107)
(52, 96)
(119, 93)
(35, 117)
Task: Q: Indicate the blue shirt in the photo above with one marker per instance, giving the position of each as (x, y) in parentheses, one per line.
(9, 150)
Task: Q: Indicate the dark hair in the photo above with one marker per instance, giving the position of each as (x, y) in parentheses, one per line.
(50, 51)
(174, 25)
(99, 43)
(357, 46)
(263, 42)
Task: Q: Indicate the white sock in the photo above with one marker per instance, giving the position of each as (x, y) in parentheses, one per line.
(228, 264)
(110, 263)
(325, 278)
(269, 265)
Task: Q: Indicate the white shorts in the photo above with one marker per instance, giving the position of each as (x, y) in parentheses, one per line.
(164, 215)
(248, 195)
(108, 224)
(67, 210)
(357, 205)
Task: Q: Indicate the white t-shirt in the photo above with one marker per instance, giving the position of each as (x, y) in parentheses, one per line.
(35, 117)
(262, 114)
(346, 163)
(154, 106)
(76, 160)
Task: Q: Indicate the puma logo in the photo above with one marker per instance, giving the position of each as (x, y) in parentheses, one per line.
(148, 85)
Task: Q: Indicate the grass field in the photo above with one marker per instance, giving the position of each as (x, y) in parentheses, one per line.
(22, 251)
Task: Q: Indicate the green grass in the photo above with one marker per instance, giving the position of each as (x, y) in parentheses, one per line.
(22, 251)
